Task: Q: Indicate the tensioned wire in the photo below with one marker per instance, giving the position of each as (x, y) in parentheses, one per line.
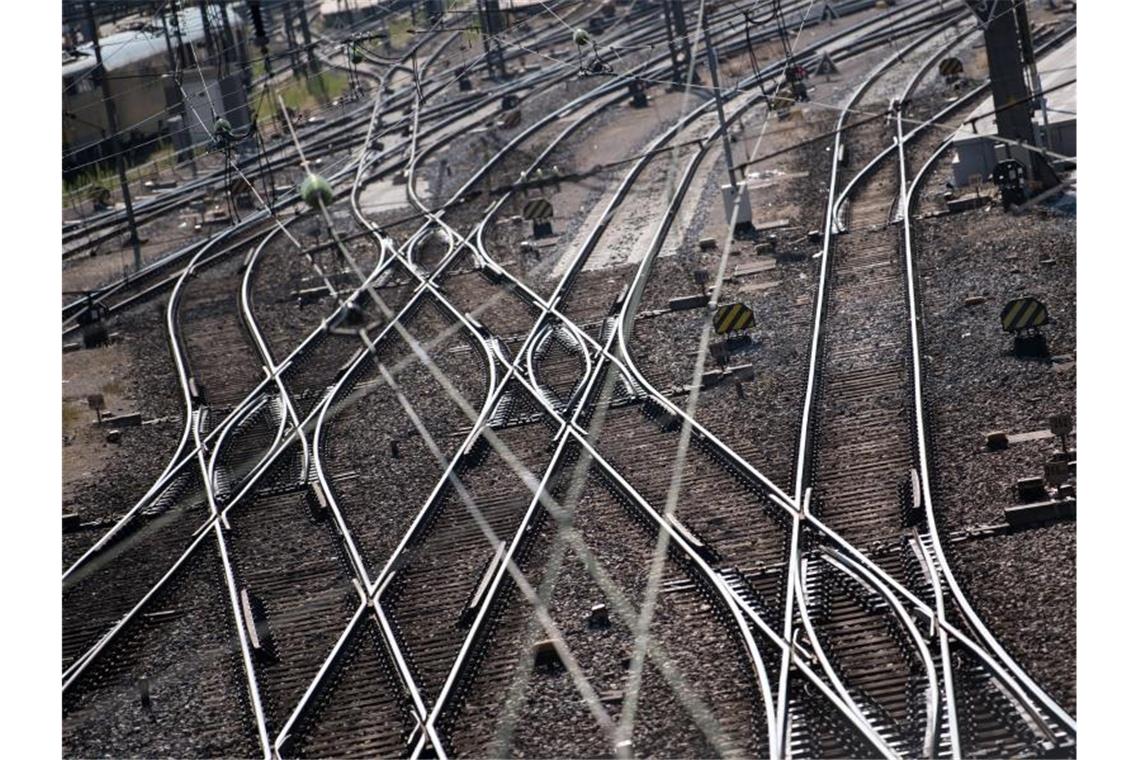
(235, 68)
(462, 401)
(465, 69)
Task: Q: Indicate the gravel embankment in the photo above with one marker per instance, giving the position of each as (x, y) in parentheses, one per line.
(1023, 583)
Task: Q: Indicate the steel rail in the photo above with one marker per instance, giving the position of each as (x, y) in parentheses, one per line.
(173, 468)
(801, 488)
(933, 702)
(960, 598)
(605, 216)
(235, 605)
(74, 671)
(347, 534)
(411, 190)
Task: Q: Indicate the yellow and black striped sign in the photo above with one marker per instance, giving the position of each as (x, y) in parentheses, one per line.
(538, 208)
(732, 317)
(950, 67)
(1023, 313)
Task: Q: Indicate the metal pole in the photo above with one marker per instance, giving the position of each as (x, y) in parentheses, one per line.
(176, 20)
(99, 74)
(211, 50)
(711, 53)
(291, 38)
(485, 24)
(260, 39)
(683, 34)
(678, 74)
(495, 26)
(1007, 81)
(1030, 61)
(229, 43)
(314, 64)
(174, 92)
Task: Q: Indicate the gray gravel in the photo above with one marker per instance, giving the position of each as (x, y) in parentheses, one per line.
(1024, 583)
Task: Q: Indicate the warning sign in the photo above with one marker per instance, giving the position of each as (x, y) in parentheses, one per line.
(950, 68)
(1023, 314)
(538, 208)
(733, 317)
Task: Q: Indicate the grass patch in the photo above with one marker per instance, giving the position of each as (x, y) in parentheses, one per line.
(400, 31)
(72, 416)
(305, 94)
(105, 175)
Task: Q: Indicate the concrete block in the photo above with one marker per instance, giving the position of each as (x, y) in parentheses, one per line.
(546, 655)
(966, 203)
(711, 378)
(694, 301)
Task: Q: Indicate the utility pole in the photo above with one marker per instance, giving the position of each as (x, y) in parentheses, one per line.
(1007, 82)
(732, 191)
(176, 20)
(492, 26)
(1030, 58)
(485, 25)
(99, 74)
(175, 100)
(291, 38)
(259, 37)
(682, 32)
(314, 64)
(229, 43)
(211, 50)
(184, 125)
(675, 64)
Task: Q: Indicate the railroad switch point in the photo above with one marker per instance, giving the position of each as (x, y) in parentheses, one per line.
(599, 616)
(546, 655)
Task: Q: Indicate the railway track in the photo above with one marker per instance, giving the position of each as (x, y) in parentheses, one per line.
(867, 479)
(367, 481)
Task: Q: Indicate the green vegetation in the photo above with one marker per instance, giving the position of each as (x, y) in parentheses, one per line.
(73, 416)
(104, 175)
(400, 31)
(305, 94)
